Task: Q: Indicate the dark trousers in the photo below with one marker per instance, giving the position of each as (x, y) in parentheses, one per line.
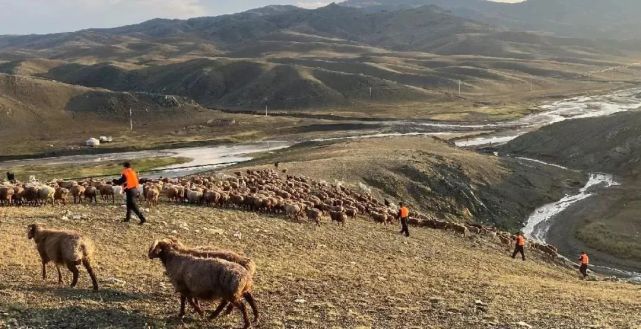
(404, 228)
(519, 249)
(584, 270)
(132, 206)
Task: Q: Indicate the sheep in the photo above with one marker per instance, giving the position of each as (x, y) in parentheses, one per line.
(31, 194)
(293, 211)
(91, 194)
(351, 212)
(338, 216)
(212, 252)
(6, 195)
(106, 191)
(206, 279)
(61, 194)
(77, 191)
(458, 228)
(314, 215)
(46, 194)
(63, 248)
(152, 194)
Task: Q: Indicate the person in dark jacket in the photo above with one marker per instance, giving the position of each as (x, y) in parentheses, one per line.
(11, 177)
(129, 180)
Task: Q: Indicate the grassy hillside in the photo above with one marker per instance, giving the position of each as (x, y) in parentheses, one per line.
(435, 177)
(363, 275)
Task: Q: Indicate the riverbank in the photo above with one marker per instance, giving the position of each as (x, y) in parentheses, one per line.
(604, 226)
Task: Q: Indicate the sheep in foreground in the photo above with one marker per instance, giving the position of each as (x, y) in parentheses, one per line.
(67, 248)
(206, 279)
(213, 252)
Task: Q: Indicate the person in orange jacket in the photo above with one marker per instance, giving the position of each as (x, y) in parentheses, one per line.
(404, 215)
(585, 261)
(129, 180)
(519, 245)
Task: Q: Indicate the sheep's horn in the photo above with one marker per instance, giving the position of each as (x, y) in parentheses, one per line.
(153, 248)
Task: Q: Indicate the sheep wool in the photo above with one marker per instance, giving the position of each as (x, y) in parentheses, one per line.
(206, 279)
(61, 247)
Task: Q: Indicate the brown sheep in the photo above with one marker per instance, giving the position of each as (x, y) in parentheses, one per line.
(61, 194)
(338, 217)
(206, 279)
(106, 191)
(152, 195)
(91, 194)
(77, 191)
(212, 252)
(351, 212)
(293, 211)
(63, 248)
(6, 195)
(314, 215)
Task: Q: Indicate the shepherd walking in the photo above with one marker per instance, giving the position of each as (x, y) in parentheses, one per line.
(519, 246)
(129, 179)
(585, 261)
(404, 215)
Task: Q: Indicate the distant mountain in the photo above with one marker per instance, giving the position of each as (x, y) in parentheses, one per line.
(425, 28)
(289, 57)
(617, 19)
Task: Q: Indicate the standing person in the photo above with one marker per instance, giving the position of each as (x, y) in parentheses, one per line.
(519, 245)
(129, 179)
(404, 215)
(11, 177)
(585, 261)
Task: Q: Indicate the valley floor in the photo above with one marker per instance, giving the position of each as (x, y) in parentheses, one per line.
(362, 276)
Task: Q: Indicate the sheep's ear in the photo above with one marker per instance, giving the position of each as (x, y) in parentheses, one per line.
(154, 251)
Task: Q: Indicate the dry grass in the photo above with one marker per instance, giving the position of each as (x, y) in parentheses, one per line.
(365, 275)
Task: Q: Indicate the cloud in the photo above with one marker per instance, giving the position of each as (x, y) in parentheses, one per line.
(45, 16)
(312, 4)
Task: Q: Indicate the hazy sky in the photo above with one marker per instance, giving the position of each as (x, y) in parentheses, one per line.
(48, 16)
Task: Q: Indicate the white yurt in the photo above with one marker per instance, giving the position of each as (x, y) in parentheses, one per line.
(92, 142)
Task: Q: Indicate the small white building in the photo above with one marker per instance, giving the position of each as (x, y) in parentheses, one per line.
(105, 139)
(92, 142)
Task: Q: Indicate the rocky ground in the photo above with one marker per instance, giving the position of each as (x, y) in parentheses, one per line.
(362, 276)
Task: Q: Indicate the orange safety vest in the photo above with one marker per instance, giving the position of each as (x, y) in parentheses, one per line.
(405, 212)
(585, 260)
(520, 240)
(131, 179)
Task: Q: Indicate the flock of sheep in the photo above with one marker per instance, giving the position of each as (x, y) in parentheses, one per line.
(265, 190)
(207, 273)
(201, 273)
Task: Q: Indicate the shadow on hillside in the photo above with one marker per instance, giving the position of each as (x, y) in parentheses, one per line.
(102, 295)
(83, 317)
